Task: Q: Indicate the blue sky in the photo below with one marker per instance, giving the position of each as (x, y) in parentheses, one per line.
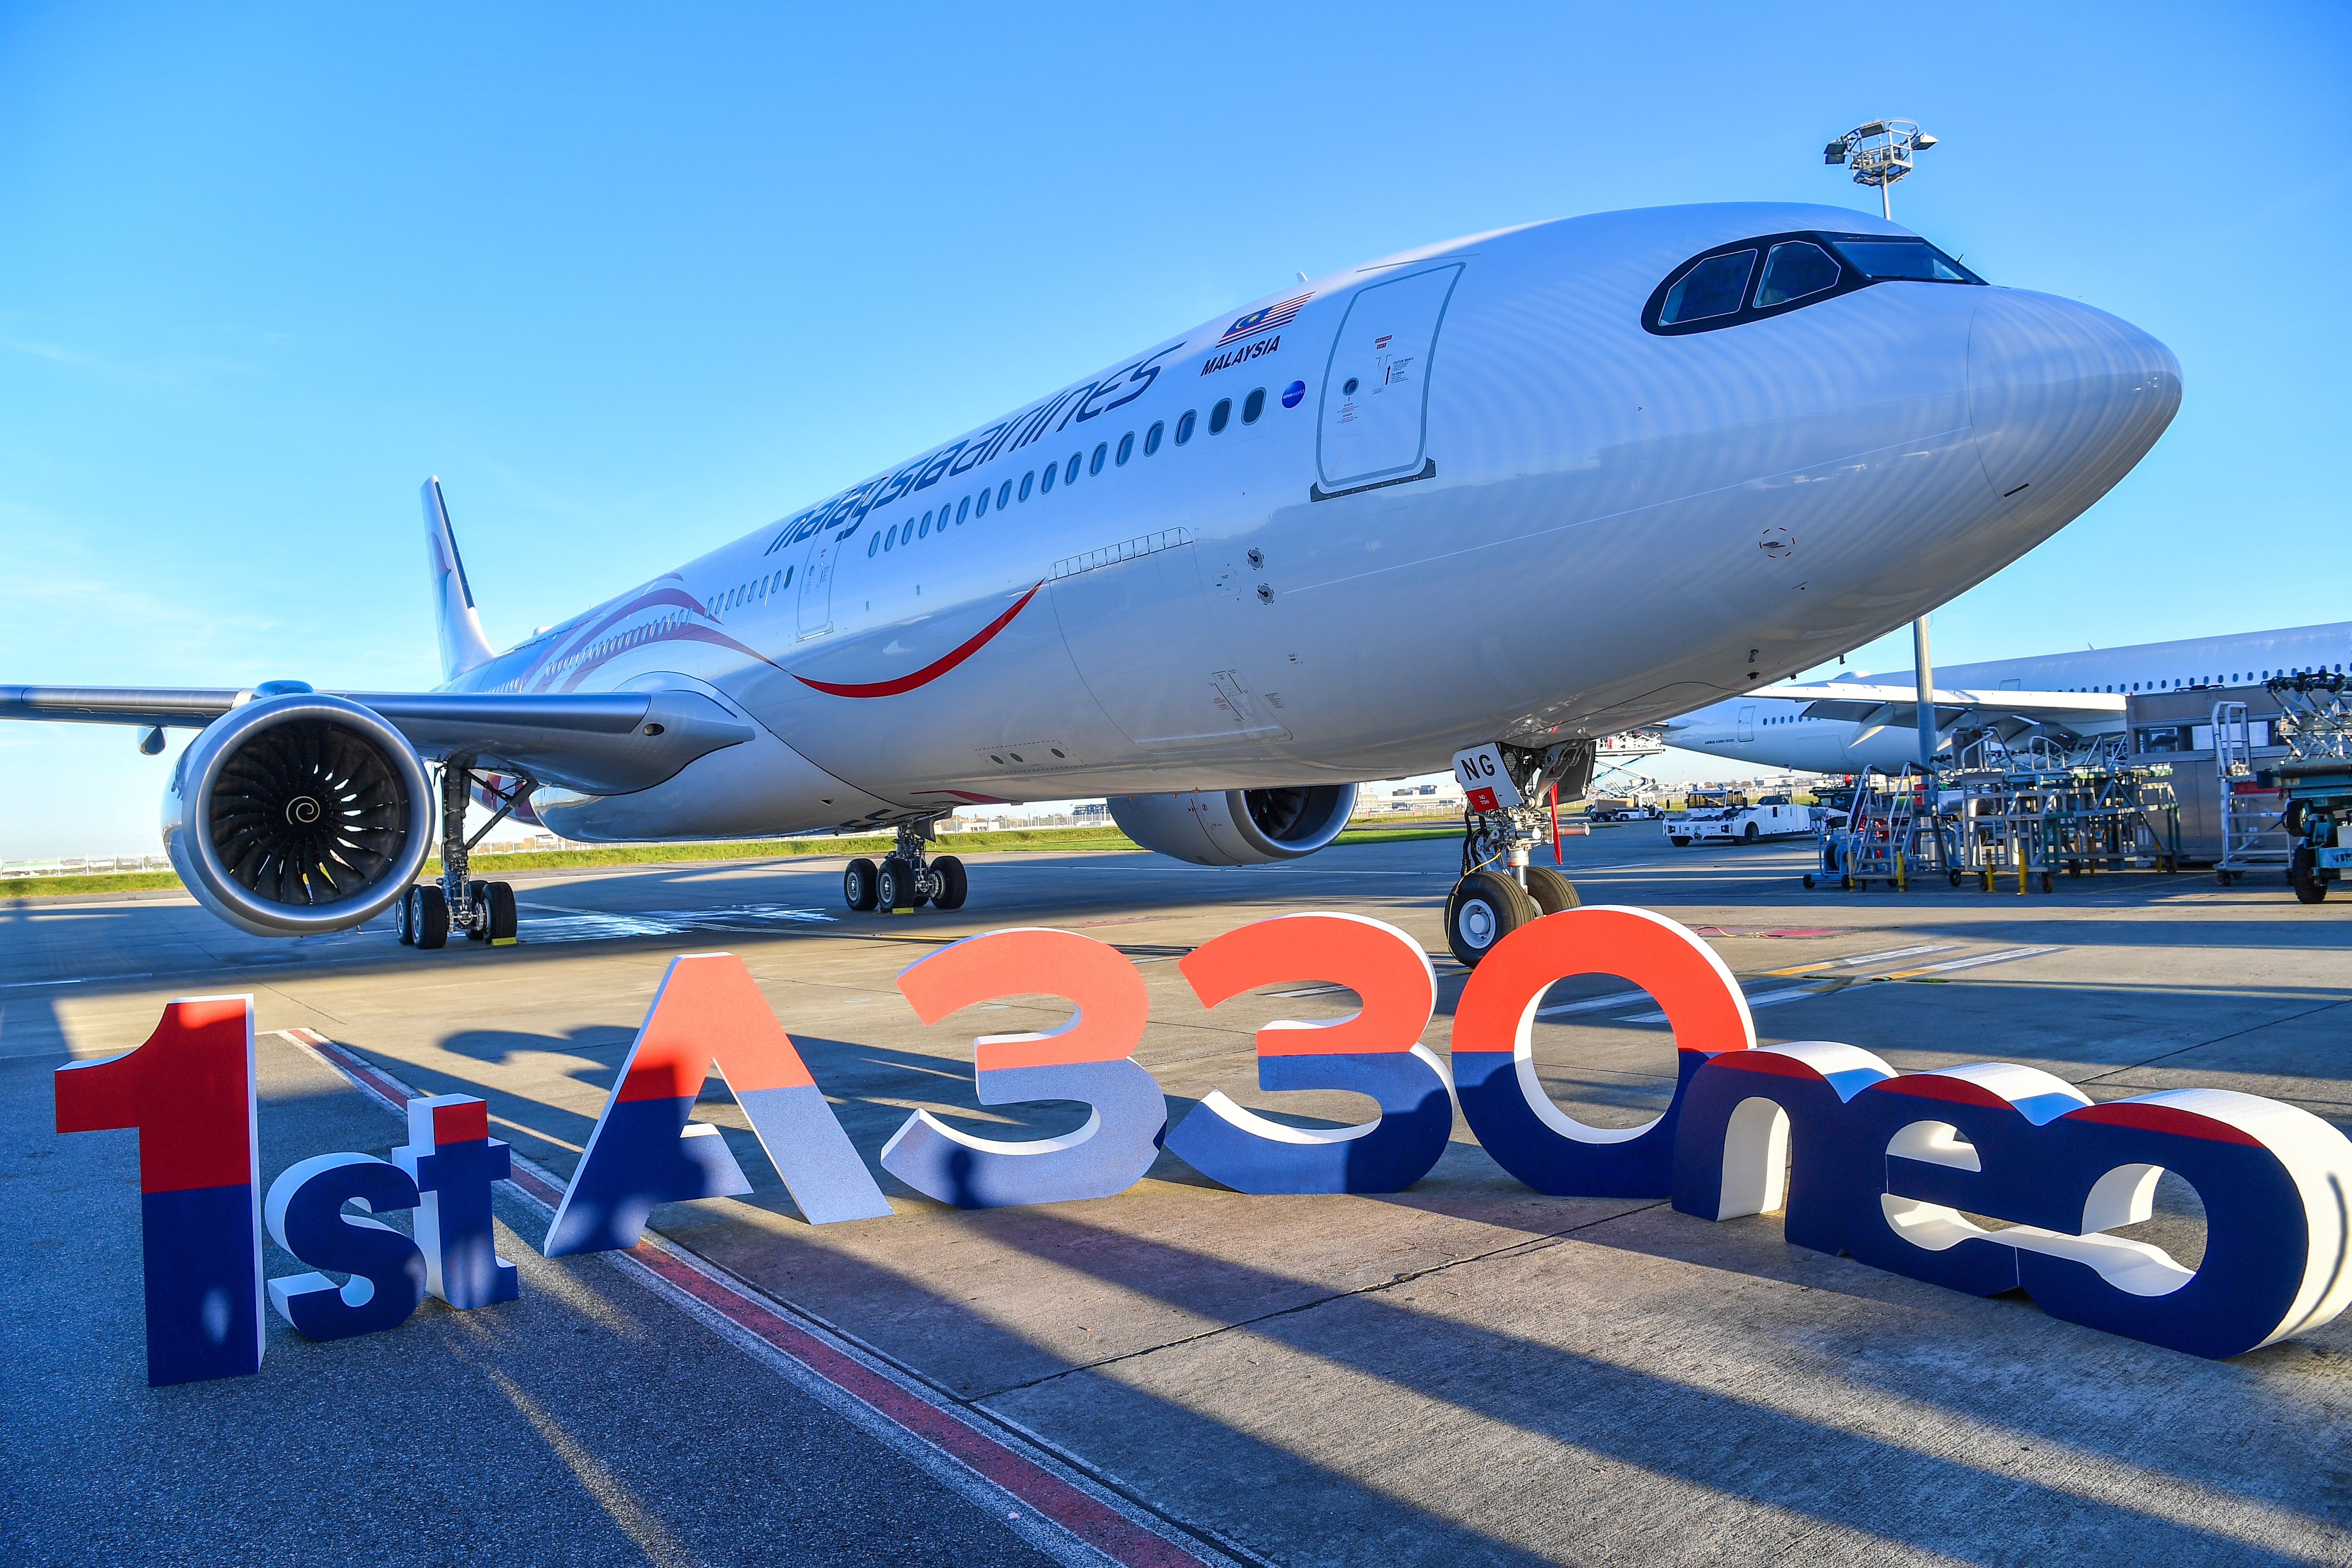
(636, 280)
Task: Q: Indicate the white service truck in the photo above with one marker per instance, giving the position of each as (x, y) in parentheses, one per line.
(1742, 825)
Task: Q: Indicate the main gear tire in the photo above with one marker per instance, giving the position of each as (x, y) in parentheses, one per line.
(477, 894)
(857, 889)
(953, 882)
(502, 917)
(404, 919)
(1484, 908)
(432, 917)
(894, 885)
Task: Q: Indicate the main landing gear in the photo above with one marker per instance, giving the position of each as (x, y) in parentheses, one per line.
(485, 911)
(906, 879)
(1499, 890)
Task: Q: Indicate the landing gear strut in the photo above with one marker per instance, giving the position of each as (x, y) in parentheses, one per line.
(906, 879)
(1499, 892)
(485, 911)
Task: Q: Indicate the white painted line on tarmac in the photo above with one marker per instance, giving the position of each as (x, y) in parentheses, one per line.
(1979, 962)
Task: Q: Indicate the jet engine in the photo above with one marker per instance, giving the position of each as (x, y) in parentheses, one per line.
(1236, 827)
(298, 813)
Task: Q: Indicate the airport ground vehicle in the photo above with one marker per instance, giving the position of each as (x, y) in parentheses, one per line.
(1153, 585)
(1742, 825)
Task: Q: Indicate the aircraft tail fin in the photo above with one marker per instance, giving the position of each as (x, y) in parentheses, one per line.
(463, 645)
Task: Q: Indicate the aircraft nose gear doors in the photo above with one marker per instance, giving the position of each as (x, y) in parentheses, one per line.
(906, 879)
(1507, 791)
(485, 911)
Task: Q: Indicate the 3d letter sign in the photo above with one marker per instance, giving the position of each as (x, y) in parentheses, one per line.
(1883, 1166)
(1376, 1051)
(1085, 1060)
(189, 1093)
(646, 1150)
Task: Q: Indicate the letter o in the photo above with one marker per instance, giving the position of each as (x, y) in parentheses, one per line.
(1494, 1065)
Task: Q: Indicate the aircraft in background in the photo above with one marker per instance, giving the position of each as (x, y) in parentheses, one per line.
(1857, 722)
(1515, 492)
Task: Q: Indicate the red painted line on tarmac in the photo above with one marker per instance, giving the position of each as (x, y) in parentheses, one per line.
(1100, 1526)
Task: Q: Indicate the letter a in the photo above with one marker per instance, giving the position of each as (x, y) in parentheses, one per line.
(647, 1151)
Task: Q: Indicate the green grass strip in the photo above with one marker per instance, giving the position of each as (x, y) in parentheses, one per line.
(1011, 840)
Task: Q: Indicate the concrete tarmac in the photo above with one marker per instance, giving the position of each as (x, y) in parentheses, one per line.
(1467, 1372)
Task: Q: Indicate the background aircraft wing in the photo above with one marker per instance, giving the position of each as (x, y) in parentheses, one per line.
(2084, 713)
(606, 743)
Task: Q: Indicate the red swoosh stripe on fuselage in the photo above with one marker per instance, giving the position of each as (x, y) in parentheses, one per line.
(929, 672)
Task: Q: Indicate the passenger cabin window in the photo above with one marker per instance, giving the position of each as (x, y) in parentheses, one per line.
(1152, 440)
(1125, 447)
(1102, 454)
(1252, 405)
(963, 510)
(1726, 288)
(1185, 427)
(1793, 270)
(1027, 480)
(1050, 469)
(1221, 415)
(1070, 470)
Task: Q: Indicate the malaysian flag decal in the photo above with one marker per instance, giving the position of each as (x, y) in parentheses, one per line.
(1267, 319)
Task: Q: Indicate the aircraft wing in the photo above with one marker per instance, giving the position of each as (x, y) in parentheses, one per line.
(2084, 713)
(606, 743)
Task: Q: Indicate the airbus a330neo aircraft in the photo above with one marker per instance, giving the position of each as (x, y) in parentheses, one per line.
(1516, 492)
(1858, 722)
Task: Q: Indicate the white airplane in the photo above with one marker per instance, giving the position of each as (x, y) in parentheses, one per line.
(1521, 490)
(1857, 722)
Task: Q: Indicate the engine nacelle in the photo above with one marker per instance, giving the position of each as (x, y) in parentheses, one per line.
(297, 813)
(1236, 827)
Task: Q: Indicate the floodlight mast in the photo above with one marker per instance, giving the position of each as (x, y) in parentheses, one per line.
(1879, 154)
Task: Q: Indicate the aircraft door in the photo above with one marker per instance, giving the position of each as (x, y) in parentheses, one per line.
(817, 585)
(1375, 419)
(1748, 721)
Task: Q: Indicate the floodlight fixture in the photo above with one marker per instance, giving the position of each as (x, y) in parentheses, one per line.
(1880, 154)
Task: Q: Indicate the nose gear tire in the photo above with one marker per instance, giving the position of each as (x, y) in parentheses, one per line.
(1484, 908)
(1551, 891)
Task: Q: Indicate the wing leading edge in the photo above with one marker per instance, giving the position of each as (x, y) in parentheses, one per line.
(606, 743)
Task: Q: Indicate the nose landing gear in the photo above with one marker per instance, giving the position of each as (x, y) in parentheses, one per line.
(906, 879)
(1508, 789)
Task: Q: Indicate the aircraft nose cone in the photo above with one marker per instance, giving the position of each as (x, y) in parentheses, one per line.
(2064, 398)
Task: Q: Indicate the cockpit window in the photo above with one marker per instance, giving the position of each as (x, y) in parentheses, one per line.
(1725, 287)
(1713, 288)
(1915, 259)
(1793, 270)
